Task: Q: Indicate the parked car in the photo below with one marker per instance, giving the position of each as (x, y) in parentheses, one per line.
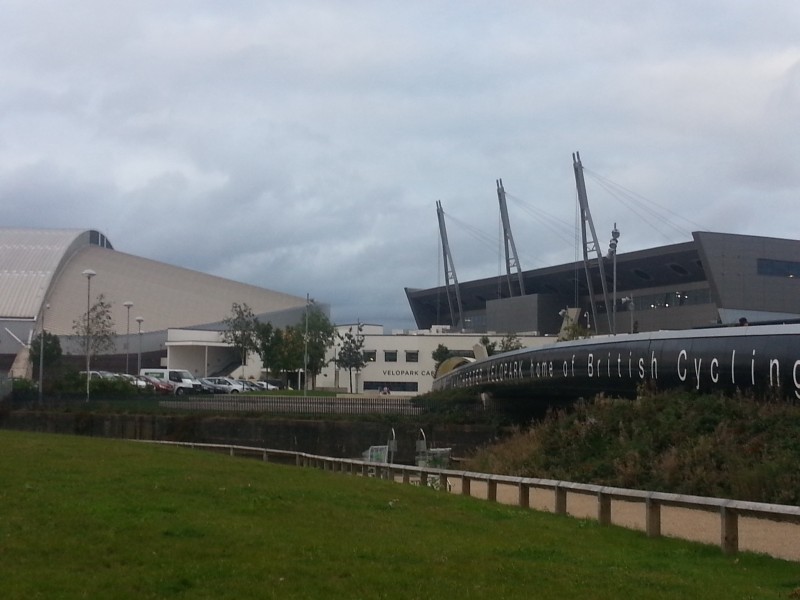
(94, 374)
(134, 381)
(266, 385)
(159, 385)
(182, 381)
(231, 386)
(211, 387)
(249, 386)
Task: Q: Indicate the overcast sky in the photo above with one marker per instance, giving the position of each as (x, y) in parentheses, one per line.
(301, 146)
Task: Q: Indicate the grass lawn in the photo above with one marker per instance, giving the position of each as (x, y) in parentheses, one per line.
(99, 518)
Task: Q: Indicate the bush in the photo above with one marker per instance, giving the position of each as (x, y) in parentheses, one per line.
(739, 448)
(23, 391)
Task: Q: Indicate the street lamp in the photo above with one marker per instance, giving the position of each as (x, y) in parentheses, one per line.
(88, 273)
(139, 360)
(612, 250)
(128, 304)
(305, 351)
(41, 353)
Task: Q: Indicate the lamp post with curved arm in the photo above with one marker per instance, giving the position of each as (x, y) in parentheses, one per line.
(139, 360)
(612, 250)
(41, 353)
(128, 304)
(88, 273)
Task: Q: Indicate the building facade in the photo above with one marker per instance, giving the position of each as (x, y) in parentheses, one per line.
(45, 283)
(717, 278)
(398, 363)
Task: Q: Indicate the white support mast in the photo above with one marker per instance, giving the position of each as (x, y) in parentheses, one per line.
(512, 258)
(590, 245)
(450, 278)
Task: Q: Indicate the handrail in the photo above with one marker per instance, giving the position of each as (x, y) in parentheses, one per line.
(729, 510)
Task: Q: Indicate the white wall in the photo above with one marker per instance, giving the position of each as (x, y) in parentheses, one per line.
(402, 373)
(204, 353)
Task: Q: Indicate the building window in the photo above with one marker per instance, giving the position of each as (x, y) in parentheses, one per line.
(778, 268)
(412, 356)
(391, 386)
(370, 356)
(390, 355)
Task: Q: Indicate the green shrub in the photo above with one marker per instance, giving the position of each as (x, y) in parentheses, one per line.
(707, 445)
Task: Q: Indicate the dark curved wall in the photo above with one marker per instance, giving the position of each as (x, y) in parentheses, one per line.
(759, 359)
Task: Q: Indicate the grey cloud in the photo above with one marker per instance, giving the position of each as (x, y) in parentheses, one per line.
(301, 145)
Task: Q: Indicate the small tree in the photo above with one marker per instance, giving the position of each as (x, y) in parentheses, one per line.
(491, 347)
(240, 330)
(510, 342)
(99, 331)
(290, 350)
(351, 352)
(573, 331)
(441, 354)
(320, 333)
(268, 342)
(50, 357)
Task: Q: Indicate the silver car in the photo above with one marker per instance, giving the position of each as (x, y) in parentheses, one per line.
(230, 386)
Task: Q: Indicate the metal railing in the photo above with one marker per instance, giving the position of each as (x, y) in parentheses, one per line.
(728, 511)
(314, 405)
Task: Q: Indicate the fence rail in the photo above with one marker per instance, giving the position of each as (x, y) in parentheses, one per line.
(728, 511)
(316, 405)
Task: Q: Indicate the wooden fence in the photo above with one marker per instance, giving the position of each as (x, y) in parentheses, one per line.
(561, 494)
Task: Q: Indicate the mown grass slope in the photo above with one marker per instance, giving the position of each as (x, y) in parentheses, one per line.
(92, 518)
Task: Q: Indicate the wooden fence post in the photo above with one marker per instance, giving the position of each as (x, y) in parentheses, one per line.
(560, 500)
(729, 530)
(652, 517)
(603, 509)
(523, 495)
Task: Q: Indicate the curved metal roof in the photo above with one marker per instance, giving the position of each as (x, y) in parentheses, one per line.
(30, 259)
(39, 266)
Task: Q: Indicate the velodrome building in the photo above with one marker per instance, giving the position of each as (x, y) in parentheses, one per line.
(43, 285)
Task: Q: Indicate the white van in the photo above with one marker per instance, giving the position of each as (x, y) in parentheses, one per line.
(182, 381)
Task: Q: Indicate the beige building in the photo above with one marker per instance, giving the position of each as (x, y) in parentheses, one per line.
(402, 362)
